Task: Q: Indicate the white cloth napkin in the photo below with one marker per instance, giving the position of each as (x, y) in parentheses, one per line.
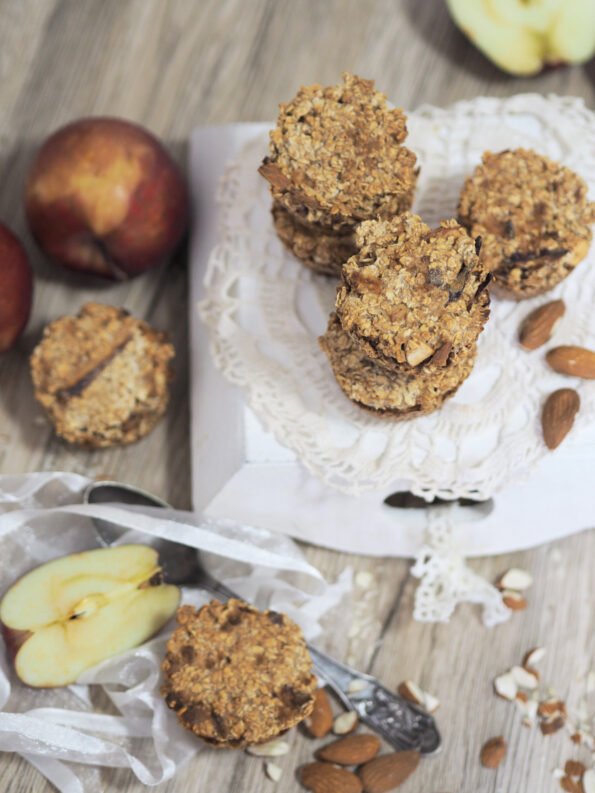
(62, 732)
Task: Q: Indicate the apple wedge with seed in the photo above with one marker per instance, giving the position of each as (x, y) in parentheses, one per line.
(69, 614)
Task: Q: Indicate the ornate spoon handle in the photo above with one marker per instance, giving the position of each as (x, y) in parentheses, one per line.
(401, 723)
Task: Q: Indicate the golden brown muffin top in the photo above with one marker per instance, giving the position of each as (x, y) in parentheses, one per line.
(533, 216)
(235, 675)
(339, 148)
(412, 293)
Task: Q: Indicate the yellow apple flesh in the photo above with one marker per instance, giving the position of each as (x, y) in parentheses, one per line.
(523, 36)
(69, 614)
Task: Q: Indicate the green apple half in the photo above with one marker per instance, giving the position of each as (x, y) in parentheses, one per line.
(69, 614)
(522, 36)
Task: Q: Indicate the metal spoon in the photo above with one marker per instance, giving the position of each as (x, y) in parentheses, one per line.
(401, 723)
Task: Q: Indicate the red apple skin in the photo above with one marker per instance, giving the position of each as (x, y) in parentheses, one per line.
(104, 196)
(16, 288)
(14, 639)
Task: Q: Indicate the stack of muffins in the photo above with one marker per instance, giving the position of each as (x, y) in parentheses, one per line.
(412, 304)
(336, 160)
(413, 301)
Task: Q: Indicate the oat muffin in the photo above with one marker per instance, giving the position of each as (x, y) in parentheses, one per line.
(102, 376)
(322, 252)
(533, 217)
(392, 395)
(412, 295)
(336, 156)
(237, 676)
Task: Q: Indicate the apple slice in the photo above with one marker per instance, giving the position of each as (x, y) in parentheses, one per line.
(73, 612)
(523, 36)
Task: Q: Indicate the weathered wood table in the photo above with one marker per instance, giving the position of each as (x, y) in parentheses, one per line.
(172, 66)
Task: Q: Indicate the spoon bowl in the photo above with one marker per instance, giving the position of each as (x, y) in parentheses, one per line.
(179, 563)
(401, 723)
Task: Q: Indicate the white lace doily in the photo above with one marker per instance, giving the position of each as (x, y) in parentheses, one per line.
(265, 312)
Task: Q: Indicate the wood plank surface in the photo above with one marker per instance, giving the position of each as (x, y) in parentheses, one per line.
(172, 65)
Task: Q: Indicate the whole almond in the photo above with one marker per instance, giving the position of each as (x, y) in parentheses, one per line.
(539, 326)
(576, 361)
(513, 600)
(327, 778)
(320, 720)
(558, 415)
(574, 768)
(352, 750)
(389, 771)
(550, 726)
(552, 707)
(569, 785)
(493, 752)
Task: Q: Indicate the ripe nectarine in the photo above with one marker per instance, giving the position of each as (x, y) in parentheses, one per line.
(104, 196)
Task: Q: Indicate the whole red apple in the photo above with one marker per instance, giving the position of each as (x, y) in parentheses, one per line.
(16, 288)
(104, 196)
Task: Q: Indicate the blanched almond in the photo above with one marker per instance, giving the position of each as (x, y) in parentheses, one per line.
(273, 771)
(516, 579)
(418, 354)
(525, 678)
(505, 686)
(345, 723)
(534, 656)
(270, 749)
(357, 685)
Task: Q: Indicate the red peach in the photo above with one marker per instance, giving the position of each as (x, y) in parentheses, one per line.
(104, 196)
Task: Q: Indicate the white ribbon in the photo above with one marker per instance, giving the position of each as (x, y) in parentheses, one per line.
(41, 518)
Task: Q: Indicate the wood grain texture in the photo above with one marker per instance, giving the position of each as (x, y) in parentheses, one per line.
(171, 66)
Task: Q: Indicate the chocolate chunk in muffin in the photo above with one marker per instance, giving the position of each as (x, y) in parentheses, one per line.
(533, 216)
(102, 376)
(412, 293)
(237, 676)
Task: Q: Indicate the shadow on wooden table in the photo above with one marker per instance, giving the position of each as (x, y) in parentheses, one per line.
(432, 20)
